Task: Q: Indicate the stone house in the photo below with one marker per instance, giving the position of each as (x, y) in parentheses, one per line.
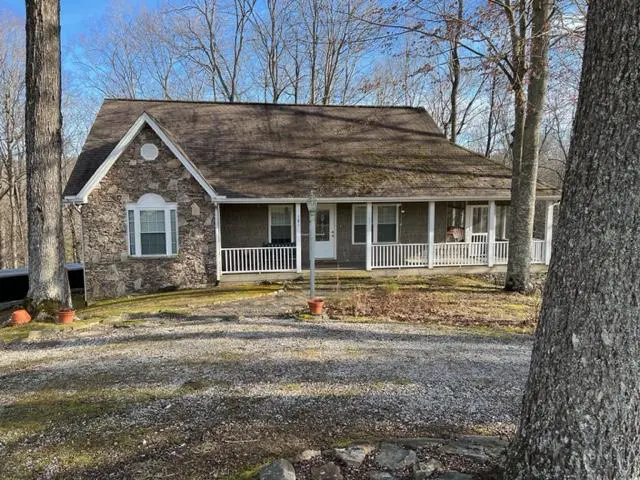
(184, 194)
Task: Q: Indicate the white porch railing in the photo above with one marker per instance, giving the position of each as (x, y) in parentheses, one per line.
(501, 253)
(537, 251)
(449, 254)
(459, 253)
(258, 259)
(399, 255)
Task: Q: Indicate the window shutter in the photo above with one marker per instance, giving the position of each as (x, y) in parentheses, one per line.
(132, 232)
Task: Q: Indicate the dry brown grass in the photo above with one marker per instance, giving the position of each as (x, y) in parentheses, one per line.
(451, 301)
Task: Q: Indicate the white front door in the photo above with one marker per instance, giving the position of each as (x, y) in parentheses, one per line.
(326, 231)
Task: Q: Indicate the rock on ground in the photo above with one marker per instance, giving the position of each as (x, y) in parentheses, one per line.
(328, 471)
(424, 470)
(380, 476)
(354, 456)
(278, 470)
(453, 475)
(394, 457)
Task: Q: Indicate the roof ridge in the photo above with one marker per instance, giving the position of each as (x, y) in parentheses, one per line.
(265, 104)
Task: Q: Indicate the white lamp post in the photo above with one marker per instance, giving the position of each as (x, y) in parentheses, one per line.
(312, 206)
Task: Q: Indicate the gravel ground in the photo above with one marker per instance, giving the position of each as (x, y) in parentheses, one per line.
(211, 395)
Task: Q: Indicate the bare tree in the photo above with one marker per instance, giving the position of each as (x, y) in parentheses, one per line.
(12, 171)
(48, 282)
(271, 46)
(526, 144)
(204, 42)
(580, 416)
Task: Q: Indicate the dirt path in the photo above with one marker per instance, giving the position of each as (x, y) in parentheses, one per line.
(208, 396)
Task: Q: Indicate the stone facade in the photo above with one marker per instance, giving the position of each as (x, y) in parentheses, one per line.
(109, 269)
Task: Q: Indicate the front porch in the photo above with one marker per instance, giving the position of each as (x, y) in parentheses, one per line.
(371, 236)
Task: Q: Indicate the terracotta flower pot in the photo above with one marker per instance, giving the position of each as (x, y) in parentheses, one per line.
(66, 315)
(20, 317)
(315, 306)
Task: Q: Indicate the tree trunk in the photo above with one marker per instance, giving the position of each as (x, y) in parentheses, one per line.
(523, 191)
(13, 231)
(455, 71)
(492, 104)
(48, 283)
(581, 410)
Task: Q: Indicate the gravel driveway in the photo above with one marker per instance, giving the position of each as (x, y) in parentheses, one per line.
(204, 397)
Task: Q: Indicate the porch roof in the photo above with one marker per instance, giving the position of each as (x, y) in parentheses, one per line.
(247, 150)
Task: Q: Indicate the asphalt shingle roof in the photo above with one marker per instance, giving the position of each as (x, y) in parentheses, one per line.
(268, 151)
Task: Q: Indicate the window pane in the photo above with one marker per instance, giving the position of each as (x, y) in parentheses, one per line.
(281, 216)
(132, 232)
(153, 244)
(502, 217)
(359, 233)
(323, 224)
(174, 232)
(280, 224)
(280, 234)
(359, 215)
(387, 215)
(152, 221)
(480, 219)
(386, 233)
(455, 216)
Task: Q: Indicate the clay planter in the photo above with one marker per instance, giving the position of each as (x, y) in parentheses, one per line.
(20, 317)
(315, 306)
(66, 315)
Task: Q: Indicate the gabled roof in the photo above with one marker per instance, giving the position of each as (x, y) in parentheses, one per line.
(144, 119)
(248, 150)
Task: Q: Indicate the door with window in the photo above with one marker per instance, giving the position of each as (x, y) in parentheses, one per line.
(326, 231)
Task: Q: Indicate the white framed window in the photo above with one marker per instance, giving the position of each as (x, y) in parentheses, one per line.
(359, 224)
(386, 223)
(502, 218)
(152, 227)
(280, 224)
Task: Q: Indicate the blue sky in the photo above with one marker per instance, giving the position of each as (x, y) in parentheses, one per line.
(73, 14)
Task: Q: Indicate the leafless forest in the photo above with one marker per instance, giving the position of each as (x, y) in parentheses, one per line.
(466, 61)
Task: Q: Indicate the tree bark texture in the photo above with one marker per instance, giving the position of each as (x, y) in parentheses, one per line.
(581, 410)
(48, 283)
(525, 171)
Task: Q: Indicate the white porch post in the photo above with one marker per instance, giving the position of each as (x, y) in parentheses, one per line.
(218, 235)
(369, 240)
(431, 232)
(548, 233)
(491, 237)
(298, 239)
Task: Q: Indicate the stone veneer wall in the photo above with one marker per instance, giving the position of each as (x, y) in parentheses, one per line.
(109, 270)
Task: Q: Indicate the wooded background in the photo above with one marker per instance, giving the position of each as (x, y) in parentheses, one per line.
(455, 58)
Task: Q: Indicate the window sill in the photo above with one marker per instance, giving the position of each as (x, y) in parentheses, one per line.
(152, 257)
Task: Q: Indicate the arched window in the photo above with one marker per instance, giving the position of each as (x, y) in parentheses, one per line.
(152, 227)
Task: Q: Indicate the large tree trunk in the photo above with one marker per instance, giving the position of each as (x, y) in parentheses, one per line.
(48, 283)
(581, 410)
(523, 189)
